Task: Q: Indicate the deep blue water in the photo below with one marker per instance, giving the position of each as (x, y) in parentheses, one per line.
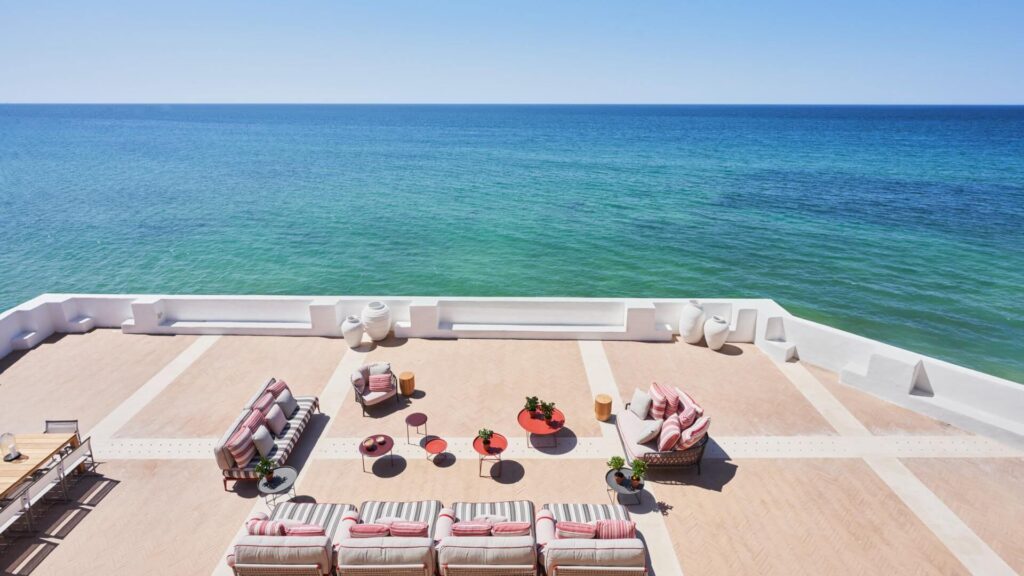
(903, 224)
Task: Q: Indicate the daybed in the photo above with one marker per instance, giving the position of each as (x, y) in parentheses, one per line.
(687, 452)
(507, 555)
(618, 553)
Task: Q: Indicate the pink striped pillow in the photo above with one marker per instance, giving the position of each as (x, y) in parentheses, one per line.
(380, 383)
(277, 387)
(671, 398)
(241, 446)
(253, 420)
(670, 432)
(684, 397)
(565, 529)
(305, 530)
(410, 529)
(264, 402)
(694, 433)
(686, 413)
(659, 401)
(511, 529)
(615, 529)
(369, 530)
(265, 528)
(471, 529)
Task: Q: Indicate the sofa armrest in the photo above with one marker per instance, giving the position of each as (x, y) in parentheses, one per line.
(443, 526)
(545, 527)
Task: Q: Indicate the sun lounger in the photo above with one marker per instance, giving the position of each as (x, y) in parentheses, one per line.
(482, 555)
(587, 556)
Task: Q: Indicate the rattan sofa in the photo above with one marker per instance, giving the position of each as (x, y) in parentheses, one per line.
(587, 557)
(629, 424)
(486, 555)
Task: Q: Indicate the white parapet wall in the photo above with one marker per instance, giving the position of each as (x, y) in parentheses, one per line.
(925, 384)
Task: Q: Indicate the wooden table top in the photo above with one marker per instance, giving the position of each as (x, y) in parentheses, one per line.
(36, 450)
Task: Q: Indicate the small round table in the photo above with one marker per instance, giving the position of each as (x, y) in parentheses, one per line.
(407, 382)
(620, 489)
(282, 482)
(603, 407)
(382, 445)
(534, 423)
(416, 419)
(490, 452)
(435, 446)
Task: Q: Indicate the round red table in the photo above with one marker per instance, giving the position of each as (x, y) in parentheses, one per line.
(382, 445)
(434, 446)
(534, 423)
(490, 452)
(416, 419)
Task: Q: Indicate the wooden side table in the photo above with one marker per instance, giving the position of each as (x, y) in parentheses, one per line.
(407, 382)
(603, 407)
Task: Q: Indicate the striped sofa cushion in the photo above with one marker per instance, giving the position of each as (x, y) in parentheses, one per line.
(380, 383)
(670, 433)
(264, 402)
(369, 530)
(687, 399)
(241, 446)
(511, 529)
(586, 512)
(285, 443)
(327, 516)
(277, 387)
(512, 510)
(659, 401)
(254, 420)
(694, 433)
(615, 529)
(405, 529)
(567, 529)
(304, 530)
(264, 528)
(418, 511)
(470, 528)
(671, 398)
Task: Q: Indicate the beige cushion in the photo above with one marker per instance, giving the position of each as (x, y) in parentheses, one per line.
(631, 427)
(487, 550)
(385, 551)
(277, 550)
(492, 518)
(275, 419)
(380, 368)
(263, 440)
(628, 552)
(649, 430)
(640, 404)
(287, 403)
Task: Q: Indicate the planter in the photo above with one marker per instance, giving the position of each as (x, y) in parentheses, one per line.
(716, 329)
(377, 320)
(691, 322)
(620, 478)
(635, 483)
(352, 329)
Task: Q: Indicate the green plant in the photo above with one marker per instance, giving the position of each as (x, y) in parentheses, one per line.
(639, 469)
(264, 467)
(548, 409)
(531, 403)
(485, 434)
(616, 462)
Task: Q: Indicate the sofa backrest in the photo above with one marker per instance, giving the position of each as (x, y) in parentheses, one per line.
(258, 393)
(278, 550)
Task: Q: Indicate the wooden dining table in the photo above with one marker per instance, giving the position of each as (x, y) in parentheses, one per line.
(36, 450)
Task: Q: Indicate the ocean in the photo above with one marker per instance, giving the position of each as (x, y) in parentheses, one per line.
(903, 224)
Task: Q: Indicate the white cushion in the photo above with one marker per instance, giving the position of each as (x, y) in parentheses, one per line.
(487, 550)
(640, 404)
(649, 431)
(388, 550)
(627, 552)
(492, 518)
(380, 368)
(287, 403)
(278, 550)
(263, 440)
(275, 420)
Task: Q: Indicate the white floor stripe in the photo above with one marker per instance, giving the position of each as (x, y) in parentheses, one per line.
(120, 416)
(602, 381)
(834, 412)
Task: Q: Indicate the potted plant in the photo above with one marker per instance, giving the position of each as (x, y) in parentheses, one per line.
(531, 403)
(485, 436)
(616, 463)
(639, 471)
(547, 409)
(265, 468)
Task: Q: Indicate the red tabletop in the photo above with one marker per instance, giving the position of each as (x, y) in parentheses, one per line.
(416, 419)
(381, 449)
(498, 445)
(435, 445)
(534, 422)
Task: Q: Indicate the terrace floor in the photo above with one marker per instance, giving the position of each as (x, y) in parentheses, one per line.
(805, 475)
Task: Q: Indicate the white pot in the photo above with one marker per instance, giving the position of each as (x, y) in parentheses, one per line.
(352, 329)
(377, 320)
(716, 329)
(691, 322)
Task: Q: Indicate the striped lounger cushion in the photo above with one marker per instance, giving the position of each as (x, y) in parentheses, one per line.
(615, 529)
(659, 401)
(304, 530)
(264, 528)
(511, 510)
(405, 529)
(511, 529)
(284, 444)
(567, 529)
(470, 528)
(369, 530)
(587, 513)
(327, 516)
(419, 511)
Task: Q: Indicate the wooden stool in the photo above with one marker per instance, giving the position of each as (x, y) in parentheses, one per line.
(407, 382)
(603, 407)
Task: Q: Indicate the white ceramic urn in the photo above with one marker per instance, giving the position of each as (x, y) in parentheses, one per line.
(691, 322)
(716, 329)
(377, 320)
(352, 329)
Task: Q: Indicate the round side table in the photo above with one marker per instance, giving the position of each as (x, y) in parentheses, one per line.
(415, 420)
(281, 482)
(603, 407)
(435, 446)
(623, 489)
(381, 445)
(490, 452)
(407, 382)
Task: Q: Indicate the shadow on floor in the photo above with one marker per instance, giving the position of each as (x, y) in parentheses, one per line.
(554, 444)
(715, 474)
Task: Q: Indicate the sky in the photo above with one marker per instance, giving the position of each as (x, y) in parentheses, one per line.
(528, 51)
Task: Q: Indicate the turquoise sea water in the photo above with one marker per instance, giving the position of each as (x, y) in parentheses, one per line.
(903, 224)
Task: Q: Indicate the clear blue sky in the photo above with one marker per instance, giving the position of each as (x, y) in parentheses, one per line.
(704, 51)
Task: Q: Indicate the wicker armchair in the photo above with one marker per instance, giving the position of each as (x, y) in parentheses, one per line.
(669, 459)
(360, 385)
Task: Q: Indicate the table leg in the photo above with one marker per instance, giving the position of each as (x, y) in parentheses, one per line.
(364, 461)
(408, 440)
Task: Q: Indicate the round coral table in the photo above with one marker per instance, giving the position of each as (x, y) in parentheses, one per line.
(534, 423)
(435, 446)
(407, 383)
(490, 452)
(603, 407)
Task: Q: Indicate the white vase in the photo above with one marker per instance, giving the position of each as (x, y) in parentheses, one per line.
(377, 320)
(352, 329)
(716, 330)
(691, 322)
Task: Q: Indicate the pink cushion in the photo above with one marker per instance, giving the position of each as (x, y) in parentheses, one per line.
(686, 398)
(277, 387)
(471, 529)
(265, 528)
(670, 433)
(615, 529)
(380, 383)
(686, 413)
(241, 446)
(511, 529)
(264, 402)
(369, 530)
(659, 401)
(410, 529)
(694, 433)
(575, 530)
(305, 530)
(671, 398)
(253, 420)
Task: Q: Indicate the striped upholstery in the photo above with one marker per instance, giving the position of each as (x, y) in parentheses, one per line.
(672, 398)
(264, 528)
(659, 402)
(512, 529)
(419, 511)
(405, 529)
(241, 446)
(470, 528)
(327, 516)
(253, 420)
(513, 510)
(277, 387)
(670, 433)
(694, 433)
(284, 444)
(305, 530)
(264, 402)
(685, 398)
(369, 530)
(587, 512)
(567, 529)
(615, 529)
